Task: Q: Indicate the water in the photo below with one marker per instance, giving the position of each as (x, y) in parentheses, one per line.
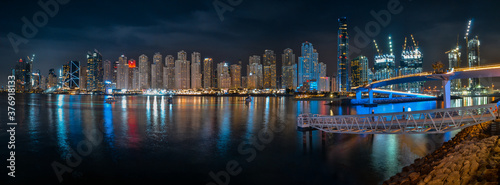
(143, 139)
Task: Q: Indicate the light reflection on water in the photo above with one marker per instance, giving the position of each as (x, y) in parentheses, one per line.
(196, 135)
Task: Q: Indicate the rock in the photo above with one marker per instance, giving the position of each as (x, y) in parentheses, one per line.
(414, 176)
(435, 182)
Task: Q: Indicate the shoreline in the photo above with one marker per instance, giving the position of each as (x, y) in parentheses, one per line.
(472, 156)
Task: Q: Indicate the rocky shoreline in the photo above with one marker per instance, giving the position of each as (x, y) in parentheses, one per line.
(471, 157)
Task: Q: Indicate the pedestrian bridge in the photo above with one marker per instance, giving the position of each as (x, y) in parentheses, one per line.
(418, 122)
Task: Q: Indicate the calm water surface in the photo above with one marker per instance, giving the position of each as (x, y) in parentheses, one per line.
(145, 139)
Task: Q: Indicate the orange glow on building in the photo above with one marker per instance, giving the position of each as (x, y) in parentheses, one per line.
(132, 63)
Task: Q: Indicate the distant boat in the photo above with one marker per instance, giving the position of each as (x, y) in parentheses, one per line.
(110, 100)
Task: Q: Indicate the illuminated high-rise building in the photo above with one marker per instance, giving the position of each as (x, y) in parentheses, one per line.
(207, 73)
(360, 71)
(289, 70)
(73, 79)
(454, 57)
(95, 72)
(308, 72)
(223, 77)
(196, 71)
(235, 76)
(144, 72)
(254, 73)
(170, 67)
(343, 66)
(474, 60)
(157, 72)
(411, 63)
(269, 65)
(182, 71)
(83, 78)
(51, 79)
(385, 66)
(122, 76)
(107, 66)
(132, 64)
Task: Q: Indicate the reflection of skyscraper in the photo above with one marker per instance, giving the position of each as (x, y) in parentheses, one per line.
(144, 72)
(308, 67)
(207, 73)
(95, 71)
(342, 57)
(196, 70)
(474, 60)
(289, 70)
(269, 64)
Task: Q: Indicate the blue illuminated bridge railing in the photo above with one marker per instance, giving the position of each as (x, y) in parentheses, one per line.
(428, 121)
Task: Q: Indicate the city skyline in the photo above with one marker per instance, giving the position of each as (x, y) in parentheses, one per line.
(435, 39)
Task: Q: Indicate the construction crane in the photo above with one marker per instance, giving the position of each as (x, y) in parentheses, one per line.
(469, 25)
(414, 43)
(390, 44)
(376, 46)
(404, 46)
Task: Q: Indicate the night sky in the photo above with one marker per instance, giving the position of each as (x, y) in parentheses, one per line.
(133, 28)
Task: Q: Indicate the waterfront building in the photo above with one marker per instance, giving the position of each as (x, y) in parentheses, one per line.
(474, 60)
(308, 72)
(107, 66)
(360, 71)
(122, 76)
(288, 70)
(254, 73)
(244, 82)
(385, 66)
(207, 73)
(269, 65)
(83, 78)
(343, 65)
(182, 72)
(170, 66)
(73, 80)
(157, 72)
(144, 72)
(454, 57)
(235, 76)
(52, 79)
(196, 71)
(132, 64)
(223, 77)
(411, 63)
(95, 72)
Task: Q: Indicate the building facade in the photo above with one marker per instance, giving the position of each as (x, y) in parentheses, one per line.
(343, 65)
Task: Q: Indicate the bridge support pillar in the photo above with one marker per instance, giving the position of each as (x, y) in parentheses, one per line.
(358, 95)
(370, 95)
(390, 95)
(446, 94)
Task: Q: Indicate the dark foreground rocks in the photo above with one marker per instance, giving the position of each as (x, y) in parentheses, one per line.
(471, 157)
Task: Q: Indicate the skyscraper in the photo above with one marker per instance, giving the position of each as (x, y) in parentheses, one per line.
(182, 71)
(360, 71)
(52, 79)
(95, 72)
(454, 57)
(342, 57)
(308, 72)
(235, 76)
(83, 78)
(108, 70)
(157, 72)
(22, 76)
(269, 64)
(411, 63)
(132, 64)
(254, 73)
(196, 70)
(122, 76)
(288, 70)
(385, 65)
(207, 73)
(74, 75)
(474, 60)
(170, 64)
(223, 77)
(144, 72)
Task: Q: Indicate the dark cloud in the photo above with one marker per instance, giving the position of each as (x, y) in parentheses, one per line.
(145, 27)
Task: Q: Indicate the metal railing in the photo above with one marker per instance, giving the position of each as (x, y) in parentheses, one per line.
(428, 121)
